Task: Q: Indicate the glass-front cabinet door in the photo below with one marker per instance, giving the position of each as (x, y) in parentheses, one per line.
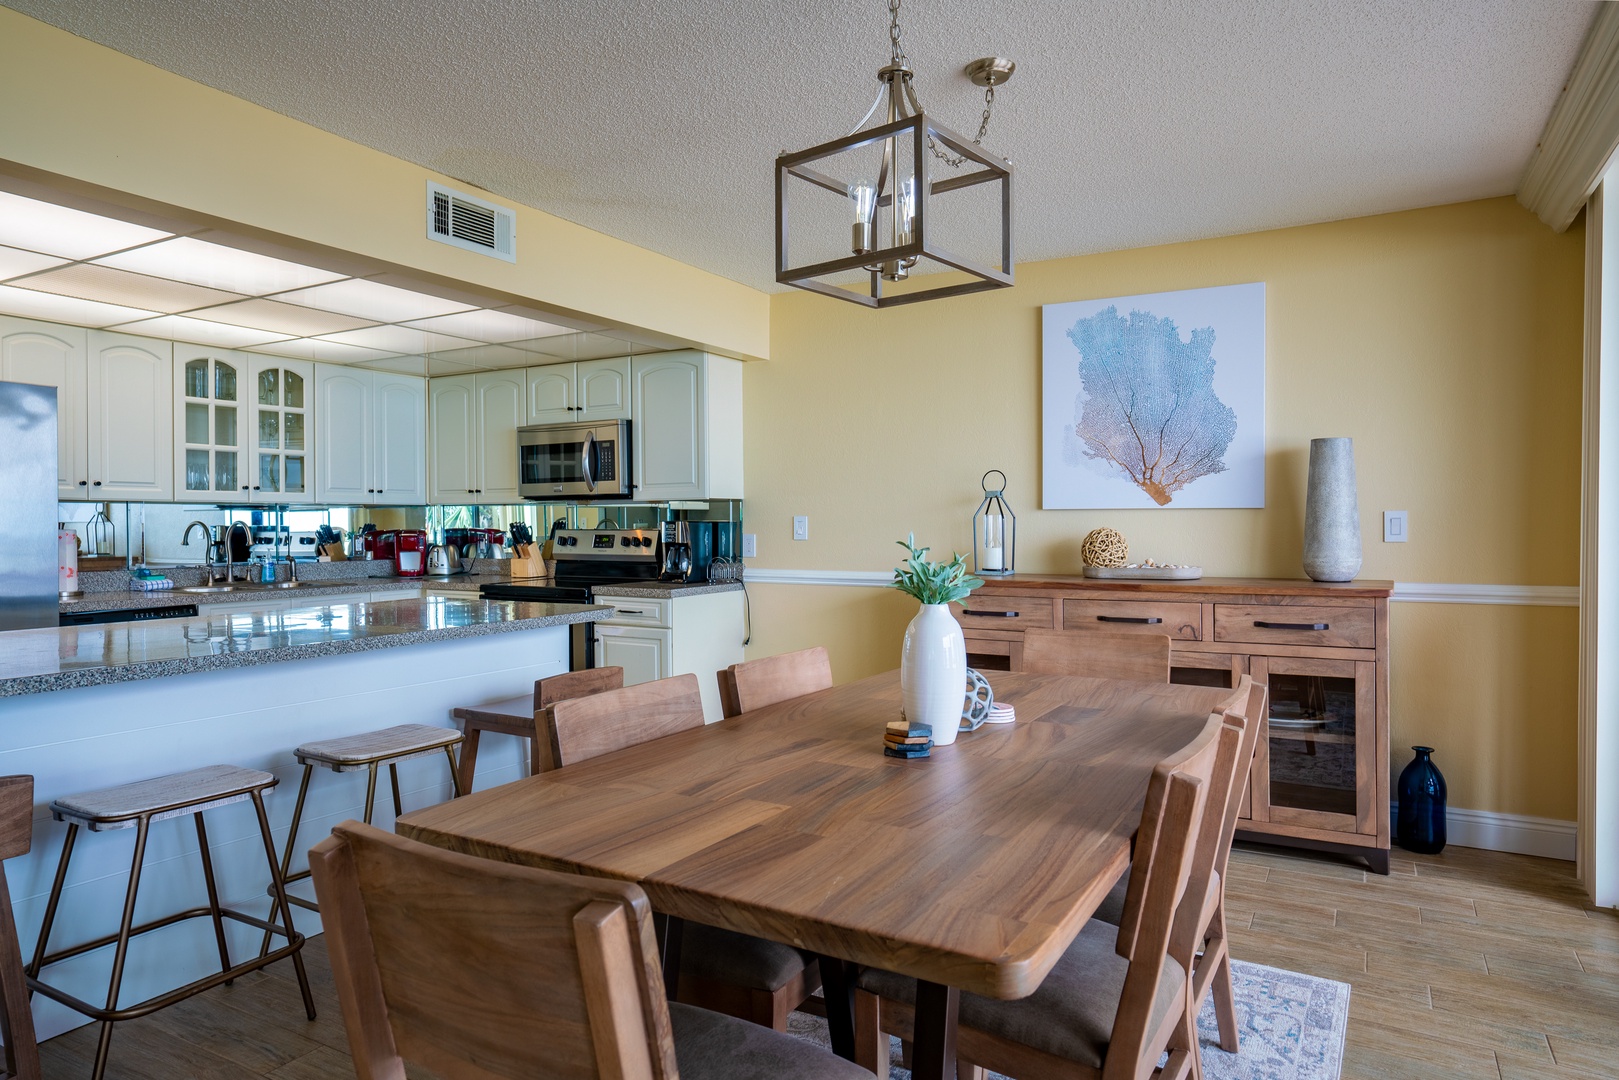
(281, 434)
(1315, 764)
(211, 409)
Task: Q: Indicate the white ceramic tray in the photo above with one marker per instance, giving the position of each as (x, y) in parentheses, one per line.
(1145, 573)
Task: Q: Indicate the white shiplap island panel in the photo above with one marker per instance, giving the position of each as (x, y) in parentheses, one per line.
(302, 674)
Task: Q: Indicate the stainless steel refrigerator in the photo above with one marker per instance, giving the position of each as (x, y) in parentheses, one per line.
(27, 506)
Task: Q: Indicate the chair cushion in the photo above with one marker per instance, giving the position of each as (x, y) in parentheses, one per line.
(1072, 1013)
(711, 1046)
(725, 956)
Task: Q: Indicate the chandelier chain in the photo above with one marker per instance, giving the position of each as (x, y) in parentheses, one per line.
(896, 40)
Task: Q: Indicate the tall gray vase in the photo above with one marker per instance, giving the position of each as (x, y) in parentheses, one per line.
(1332, 512)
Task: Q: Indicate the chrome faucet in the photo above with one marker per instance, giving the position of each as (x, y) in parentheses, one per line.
(208, 534)
(230, 535)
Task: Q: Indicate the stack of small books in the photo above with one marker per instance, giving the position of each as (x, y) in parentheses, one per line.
(906, 740)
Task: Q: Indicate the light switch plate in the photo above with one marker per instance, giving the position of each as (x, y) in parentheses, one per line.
(801, 528)
(1395, 527)
(750, 545)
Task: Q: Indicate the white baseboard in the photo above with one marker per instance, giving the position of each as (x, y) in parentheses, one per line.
(1547, 838)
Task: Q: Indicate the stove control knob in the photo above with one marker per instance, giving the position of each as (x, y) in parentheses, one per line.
(623, 541)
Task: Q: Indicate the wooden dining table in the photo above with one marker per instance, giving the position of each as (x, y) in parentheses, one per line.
(971, 869)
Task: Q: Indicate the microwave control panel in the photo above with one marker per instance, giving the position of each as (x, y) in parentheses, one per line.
(606, 461)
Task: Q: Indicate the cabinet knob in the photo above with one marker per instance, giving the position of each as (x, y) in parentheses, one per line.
(255, 487)
(97, 483)
(244, 487)
(84, 483)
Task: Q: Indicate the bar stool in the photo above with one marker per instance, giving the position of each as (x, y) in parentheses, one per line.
(351, 753)
(139, 805)
(16, 1021)
(526, 716)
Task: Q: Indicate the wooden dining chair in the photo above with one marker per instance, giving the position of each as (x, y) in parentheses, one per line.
(1113, 1005)
(16, 1020)
(475, 969)
(744, 976)
(757, 683)
(1141, 657)
(528, 717)
(1212, 959)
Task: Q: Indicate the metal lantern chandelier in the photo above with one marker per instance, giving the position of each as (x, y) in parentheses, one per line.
(879, 177)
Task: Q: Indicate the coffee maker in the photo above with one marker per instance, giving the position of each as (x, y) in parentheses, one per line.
(675, 564)
(407, 548)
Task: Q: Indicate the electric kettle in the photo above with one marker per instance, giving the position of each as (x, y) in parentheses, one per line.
(438, 560)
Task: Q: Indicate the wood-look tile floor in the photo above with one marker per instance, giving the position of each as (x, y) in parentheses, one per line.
(1466, 964)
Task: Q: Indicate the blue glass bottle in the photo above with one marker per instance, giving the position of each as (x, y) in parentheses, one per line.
(1421, 818)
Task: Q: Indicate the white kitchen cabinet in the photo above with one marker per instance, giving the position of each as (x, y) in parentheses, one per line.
(281, 395)
(243, 429)
(656, 638)
(591, 390)
(369, 437)
(45, 354)
(644, 653)
(211, 423)
(131, 418)
(687, 410)
(474, 436)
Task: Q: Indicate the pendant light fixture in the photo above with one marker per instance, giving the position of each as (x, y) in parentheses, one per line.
(888, 180)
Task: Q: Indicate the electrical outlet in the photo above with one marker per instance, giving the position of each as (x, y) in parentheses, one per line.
(750, 545)
(1395, 527)
(800, 528)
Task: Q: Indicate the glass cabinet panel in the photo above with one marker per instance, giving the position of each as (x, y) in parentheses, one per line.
(279, 430)
(1320, 730)
(209, 433)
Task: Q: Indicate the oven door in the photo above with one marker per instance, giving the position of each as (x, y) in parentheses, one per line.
(574, 461)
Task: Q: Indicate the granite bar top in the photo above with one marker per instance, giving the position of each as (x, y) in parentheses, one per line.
(41, 660)
(667, 590)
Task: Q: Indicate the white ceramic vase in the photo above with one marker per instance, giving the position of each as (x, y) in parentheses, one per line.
(933, 672)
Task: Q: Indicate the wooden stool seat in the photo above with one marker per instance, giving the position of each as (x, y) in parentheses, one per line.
(510, 716)
(351, 753)
(138, 805)
(161, 797)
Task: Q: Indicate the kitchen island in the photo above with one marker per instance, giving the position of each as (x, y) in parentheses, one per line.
(89, 707)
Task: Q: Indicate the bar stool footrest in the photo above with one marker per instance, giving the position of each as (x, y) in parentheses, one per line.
(190, 989)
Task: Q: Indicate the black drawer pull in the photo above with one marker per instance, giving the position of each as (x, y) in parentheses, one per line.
(1142, 619)
(994, 614)
(1290, 625)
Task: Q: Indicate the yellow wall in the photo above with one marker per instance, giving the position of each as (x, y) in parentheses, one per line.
(81, 111)
(1446, 342)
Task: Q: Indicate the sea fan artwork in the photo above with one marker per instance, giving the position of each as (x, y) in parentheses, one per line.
(1156, 401)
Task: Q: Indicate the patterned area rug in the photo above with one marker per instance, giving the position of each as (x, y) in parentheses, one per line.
(1292, 1028)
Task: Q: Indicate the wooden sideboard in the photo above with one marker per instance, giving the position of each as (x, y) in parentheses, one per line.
(1320, 777)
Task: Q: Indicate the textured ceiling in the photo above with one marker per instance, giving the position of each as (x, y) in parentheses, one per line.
(1130, 122)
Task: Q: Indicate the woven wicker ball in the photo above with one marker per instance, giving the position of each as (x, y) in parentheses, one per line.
(1104, 547)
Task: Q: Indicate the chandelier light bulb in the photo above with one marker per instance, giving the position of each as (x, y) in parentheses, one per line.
(906, 219)
(864, 199)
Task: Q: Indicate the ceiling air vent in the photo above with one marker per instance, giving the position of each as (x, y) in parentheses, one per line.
(471, 223)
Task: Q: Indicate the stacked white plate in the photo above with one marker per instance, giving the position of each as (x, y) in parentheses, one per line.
(1000, 713)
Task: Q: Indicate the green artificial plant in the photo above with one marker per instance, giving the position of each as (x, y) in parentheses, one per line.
(932, 582)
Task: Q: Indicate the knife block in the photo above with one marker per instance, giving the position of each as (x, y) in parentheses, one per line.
(527, 562)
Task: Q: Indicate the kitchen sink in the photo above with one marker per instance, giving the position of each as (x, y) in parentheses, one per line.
(207, 588)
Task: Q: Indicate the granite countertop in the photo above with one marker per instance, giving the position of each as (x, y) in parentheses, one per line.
(136, 599)
(41, 660)
(667, 590)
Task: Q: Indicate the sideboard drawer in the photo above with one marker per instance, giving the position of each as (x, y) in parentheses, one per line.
(1004, 611)
(1183, 622)
(1286, 624)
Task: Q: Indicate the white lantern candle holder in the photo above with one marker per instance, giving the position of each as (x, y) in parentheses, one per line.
(994, 530)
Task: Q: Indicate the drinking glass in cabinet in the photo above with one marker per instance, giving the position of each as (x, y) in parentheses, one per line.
(224, 383)
(294, 430)
(197, 378)
(269, 472)
(225, 469)
(197, 469)
(295, 390)
(268, 390)
(270, 430)
(295, 474)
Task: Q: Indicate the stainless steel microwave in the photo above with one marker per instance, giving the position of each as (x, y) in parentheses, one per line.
(574, 461)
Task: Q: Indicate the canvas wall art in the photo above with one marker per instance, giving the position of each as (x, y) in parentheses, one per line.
(1155, 401)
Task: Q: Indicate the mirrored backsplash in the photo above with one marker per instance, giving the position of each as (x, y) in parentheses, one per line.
(153, 533)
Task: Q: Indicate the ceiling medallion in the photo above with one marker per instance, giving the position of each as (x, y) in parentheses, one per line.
(881, 177)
